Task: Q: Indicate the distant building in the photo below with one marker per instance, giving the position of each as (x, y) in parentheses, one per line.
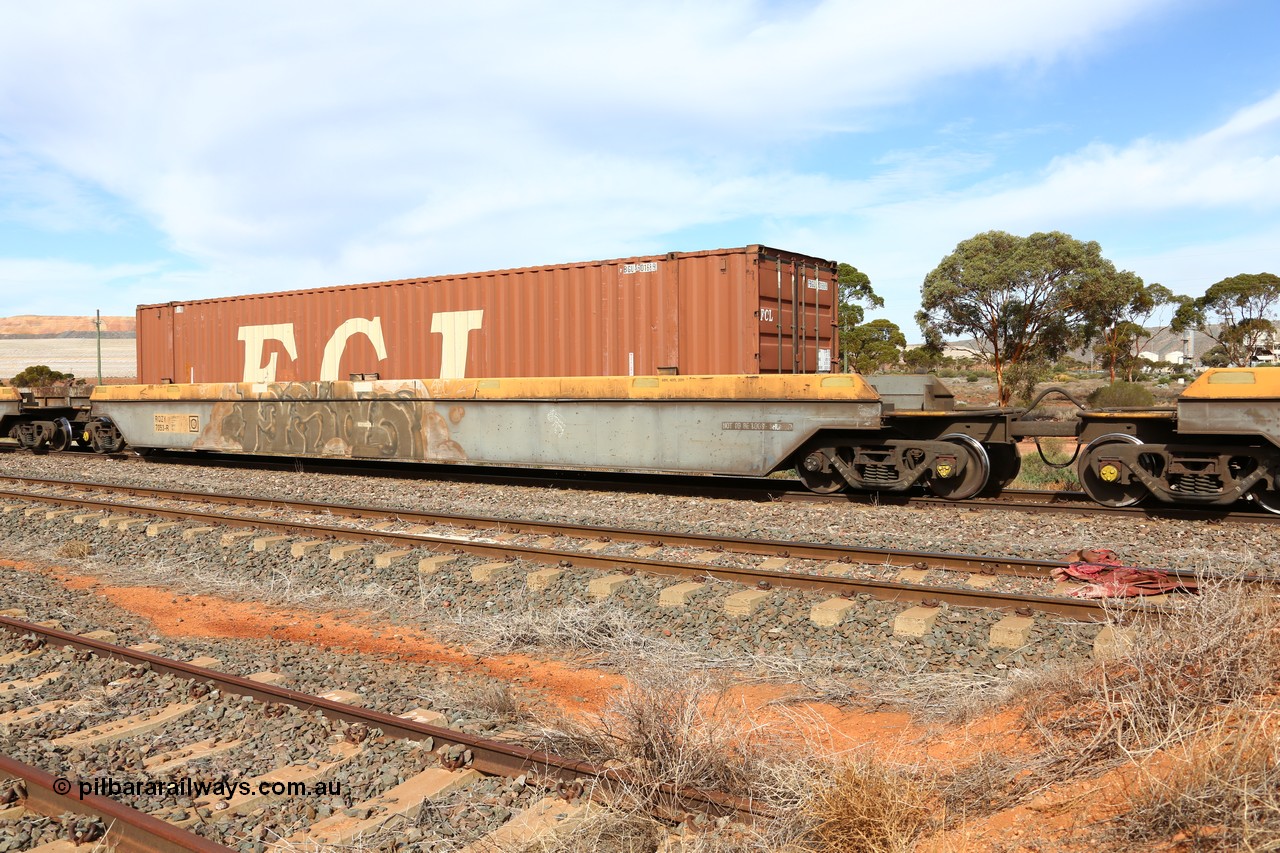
(1172, 347)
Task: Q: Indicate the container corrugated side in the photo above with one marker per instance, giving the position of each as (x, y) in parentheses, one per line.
(691, 313)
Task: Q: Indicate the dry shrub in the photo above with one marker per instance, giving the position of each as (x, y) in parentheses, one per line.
(867, 805)
(676, 729)
(597, 627)
(1175, 675)
(673, 729)
(492, 699)
(75, 549)
(670, 728)
(990, 782)
(1220, 792)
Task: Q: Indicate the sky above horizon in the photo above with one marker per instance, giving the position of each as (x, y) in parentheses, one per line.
(157, 151)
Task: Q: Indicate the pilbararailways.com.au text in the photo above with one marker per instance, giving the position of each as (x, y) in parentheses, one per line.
(224, 788)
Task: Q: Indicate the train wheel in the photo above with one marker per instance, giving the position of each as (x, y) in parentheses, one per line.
(59, 441)
(1006, 464)
(971, 480)
(1105, 486)
(62, 435)
(1268, 499)
(818, 474)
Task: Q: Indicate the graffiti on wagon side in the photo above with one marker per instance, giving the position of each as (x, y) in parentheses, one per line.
(311, 419)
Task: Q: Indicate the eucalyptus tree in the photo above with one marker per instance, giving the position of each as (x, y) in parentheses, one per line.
(1119, 313)
(853, 287)
(873, 346)
(1239, 313)
(1018, 298)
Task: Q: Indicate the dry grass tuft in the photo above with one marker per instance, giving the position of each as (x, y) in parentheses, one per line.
(670, 728)
(867, 805)
(598, 627)
(490, 698)
(75, 549)
(989, 782)
(1221, 792)
(1171, 680)
(676, 729)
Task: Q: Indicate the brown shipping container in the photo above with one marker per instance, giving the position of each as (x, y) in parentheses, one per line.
(727, 311)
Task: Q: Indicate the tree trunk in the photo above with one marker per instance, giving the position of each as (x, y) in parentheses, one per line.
(1003, 393)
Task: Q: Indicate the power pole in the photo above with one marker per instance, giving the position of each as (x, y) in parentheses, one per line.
(97, 323)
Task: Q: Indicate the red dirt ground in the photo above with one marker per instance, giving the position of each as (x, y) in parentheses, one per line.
(1052, 819)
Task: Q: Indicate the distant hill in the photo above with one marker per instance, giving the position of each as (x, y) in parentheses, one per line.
(34, 326)
(68, 344)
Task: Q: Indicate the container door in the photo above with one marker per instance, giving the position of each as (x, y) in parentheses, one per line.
(797, 314)
(154, 345)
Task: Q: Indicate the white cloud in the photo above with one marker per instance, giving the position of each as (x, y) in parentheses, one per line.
(35, 196)
(311, 130)
(1112, 194)
(33, 286)
(298, 144)
(1191, 268)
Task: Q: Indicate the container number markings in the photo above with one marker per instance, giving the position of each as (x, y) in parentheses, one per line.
(177, 423)
(632, 269)
(759, 426)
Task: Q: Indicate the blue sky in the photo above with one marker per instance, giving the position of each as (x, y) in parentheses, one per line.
(152, 151)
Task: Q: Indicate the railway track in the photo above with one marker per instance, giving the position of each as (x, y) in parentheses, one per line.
(760, 489)
(180, 692)
(846, 571)
(29, 790)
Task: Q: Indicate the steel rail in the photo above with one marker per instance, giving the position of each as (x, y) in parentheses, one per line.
(491, 757)
(760, 489)
(127, 828)
(902, 558)
(742, 488)
(1082, 609)
(1077, 503)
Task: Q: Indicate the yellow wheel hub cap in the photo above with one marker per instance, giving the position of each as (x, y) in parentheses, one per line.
(1109, 473)
(945, 470)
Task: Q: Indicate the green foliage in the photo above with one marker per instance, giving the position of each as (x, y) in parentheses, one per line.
(873, 346)
(1119, 395)
(1021, 378)
(1244, 307)
(40, 376)
(922, 358)
(853, 287)
(1116, 313)
(1019, 297)
(1036, 474)
(1216, 357)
